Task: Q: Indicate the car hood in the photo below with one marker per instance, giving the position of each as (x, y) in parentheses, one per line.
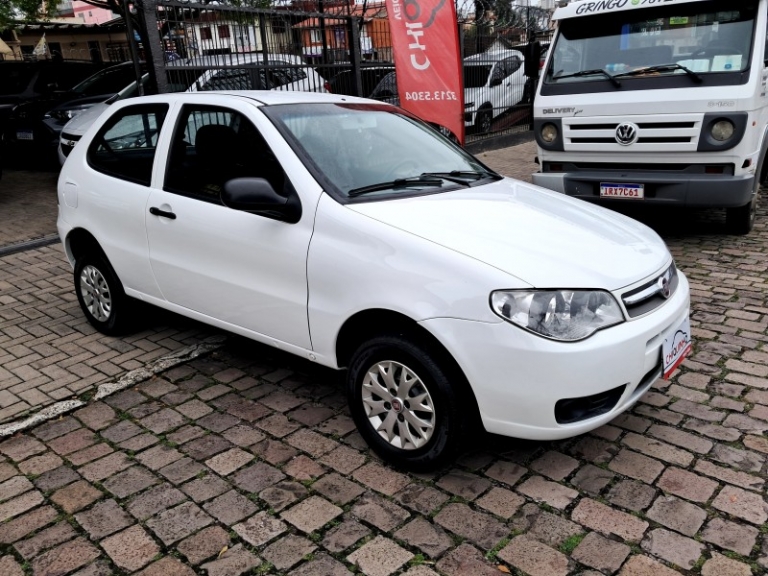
(95, 99)
(541, 237)
(79, 124)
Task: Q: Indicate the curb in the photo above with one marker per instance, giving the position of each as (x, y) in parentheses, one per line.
(131, 378)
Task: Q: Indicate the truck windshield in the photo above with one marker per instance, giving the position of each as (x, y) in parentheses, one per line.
(706, 38)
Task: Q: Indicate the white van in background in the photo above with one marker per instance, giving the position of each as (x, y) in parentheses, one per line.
(659, 103)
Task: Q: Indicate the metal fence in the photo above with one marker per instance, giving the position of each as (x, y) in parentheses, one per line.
(330, 46)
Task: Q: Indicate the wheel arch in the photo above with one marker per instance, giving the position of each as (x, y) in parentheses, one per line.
(370, 323)
(762, 158)
(79, 241)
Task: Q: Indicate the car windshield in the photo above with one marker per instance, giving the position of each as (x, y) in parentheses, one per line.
(376, 148)
(700, 37)
(107, 81)
(476, 75)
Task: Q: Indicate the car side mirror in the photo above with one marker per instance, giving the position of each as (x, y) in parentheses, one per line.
(257, 196)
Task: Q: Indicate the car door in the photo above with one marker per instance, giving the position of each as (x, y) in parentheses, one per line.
(244, 269)
(113, 179)
(514, 81)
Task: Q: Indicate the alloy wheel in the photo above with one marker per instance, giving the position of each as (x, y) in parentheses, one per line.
(96, 294)
(398, 405)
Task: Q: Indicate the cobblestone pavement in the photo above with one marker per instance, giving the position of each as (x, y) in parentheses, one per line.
(27, 205)
(246, 461)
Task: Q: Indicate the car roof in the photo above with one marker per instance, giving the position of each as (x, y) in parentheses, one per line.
(262, 97)
(490, 57)
(230, 59)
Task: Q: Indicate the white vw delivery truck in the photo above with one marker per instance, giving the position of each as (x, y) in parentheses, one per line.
(658, 102)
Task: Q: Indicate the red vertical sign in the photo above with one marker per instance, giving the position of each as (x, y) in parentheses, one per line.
(425, 41)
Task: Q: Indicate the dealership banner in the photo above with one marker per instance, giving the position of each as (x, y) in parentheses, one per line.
(425, 41)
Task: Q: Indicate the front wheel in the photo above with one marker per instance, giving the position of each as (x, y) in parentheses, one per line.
(484, 121)
(741, 220)
(101, 295)
(405, 403)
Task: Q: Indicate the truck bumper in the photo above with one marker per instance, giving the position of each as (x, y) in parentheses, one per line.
(702, 190)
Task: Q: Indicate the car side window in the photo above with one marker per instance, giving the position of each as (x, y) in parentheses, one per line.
(212, 145)
(125, 146)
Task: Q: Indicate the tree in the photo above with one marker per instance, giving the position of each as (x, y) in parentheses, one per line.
(19, 10)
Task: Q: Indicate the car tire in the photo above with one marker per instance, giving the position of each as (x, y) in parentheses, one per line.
(483, 121)
(101, 295)
(392, 424)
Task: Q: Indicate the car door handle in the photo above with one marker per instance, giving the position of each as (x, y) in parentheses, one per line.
(157, 212)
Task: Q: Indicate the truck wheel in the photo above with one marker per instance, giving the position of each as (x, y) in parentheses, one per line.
(741, 220)
(406, 403)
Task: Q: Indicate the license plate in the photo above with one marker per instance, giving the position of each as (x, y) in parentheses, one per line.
(622, 191)
(25, 135)
(676, 348)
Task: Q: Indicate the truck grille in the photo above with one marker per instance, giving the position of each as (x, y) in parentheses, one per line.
(676, 133)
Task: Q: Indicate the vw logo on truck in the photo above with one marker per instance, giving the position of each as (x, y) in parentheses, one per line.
(626, 133)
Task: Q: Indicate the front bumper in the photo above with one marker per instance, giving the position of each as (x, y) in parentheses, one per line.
(694, 190)
(518, 378)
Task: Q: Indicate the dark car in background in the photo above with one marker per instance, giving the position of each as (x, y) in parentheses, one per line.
(24, 81)
(34, 125)
(370, 76)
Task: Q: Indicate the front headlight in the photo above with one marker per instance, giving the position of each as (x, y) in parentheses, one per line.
(65, 115)
(566, 315)
(722, 130)
(548, 133)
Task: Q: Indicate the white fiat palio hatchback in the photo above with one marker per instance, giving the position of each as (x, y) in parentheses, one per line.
(348, 232)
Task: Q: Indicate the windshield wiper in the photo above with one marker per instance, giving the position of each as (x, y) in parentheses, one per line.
(414, 181)
(663, 68)
(461, 176)
(591, 73)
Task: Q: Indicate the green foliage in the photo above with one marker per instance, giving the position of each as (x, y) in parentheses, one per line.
(12, 11)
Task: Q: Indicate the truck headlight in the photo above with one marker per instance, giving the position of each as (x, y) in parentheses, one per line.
(565, 315)
(549, 133)
(722, 130)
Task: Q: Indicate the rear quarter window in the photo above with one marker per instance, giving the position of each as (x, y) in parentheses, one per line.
(125, 146)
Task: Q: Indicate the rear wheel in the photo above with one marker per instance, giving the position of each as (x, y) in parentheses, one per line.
(101, 294)
(405, 403)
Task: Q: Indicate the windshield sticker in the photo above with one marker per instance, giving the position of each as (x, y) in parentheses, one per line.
(726, 63)
(678, 20)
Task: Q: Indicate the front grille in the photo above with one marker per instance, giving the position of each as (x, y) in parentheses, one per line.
(679, 132)
(652, 294)
(656, 140)
(68, 142)
(641, 125)
(570, 410)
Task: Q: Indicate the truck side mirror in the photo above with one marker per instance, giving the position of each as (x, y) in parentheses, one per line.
(532, 57)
